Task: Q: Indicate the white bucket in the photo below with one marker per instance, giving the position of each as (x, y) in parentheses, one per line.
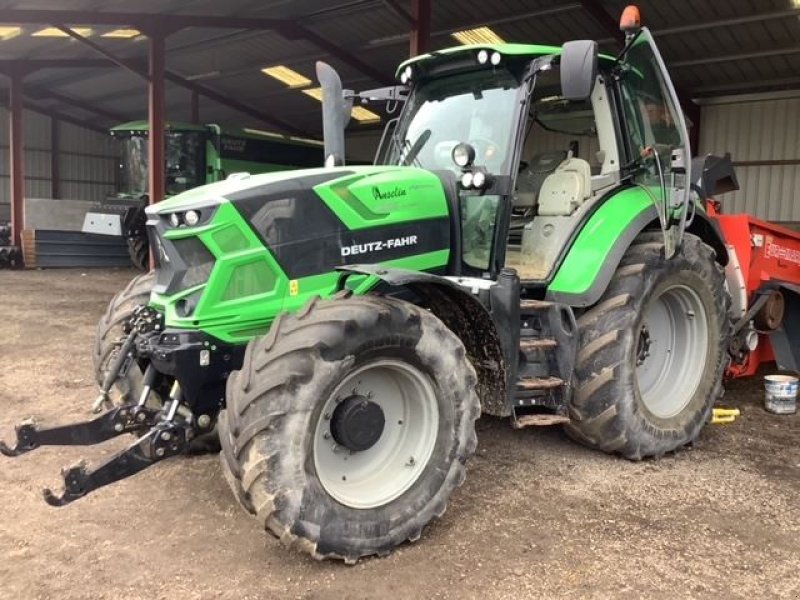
(781, 394)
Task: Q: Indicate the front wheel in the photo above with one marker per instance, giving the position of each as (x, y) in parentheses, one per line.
(349, 425)
(652, 351)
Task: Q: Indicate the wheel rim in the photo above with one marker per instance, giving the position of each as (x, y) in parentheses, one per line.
(381, 473)
(671, 352)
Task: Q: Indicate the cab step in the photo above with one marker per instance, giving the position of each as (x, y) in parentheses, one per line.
(539, 420)
(527, 306)
(539, 383)
(531, 344)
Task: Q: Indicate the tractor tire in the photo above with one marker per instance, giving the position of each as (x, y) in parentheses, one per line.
(652, 351)
(339, 488)
(109, 334)
(139, 251)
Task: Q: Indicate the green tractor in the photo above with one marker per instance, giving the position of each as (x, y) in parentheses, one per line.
(194, 155)
(526, 246)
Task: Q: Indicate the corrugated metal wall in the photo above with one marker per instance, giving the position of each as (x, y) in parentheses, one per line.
(763, 130)
(87, 160)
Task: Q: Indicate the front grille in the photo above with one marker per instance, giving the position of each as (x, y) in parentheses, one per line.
(180, 264)
(198, 260)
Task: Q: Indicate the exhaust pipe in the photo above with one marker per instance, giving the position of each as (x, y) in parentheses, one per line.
(335, 114)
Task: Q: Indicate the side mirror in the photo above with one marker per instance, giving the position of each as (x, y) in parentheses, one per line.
(578, 69)
(335, 113)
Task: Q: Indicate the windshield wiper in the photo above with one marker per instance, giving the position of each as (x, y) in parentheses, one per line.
(414, 149)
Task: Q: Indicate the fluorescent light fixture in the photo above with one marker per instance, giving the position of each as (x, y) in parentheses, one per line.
(363, 115)
(55, 32)
(286, 75)
(315, 93)
(7, 33)
(480, 35)
(123, 34)
(359, 113)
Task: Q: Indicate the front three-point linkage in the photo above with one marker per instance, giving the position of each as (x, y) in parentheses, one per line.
(163, 433)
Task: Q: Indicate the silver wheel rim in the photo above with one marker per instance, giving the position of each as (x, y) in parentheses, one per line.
(671, 351)
(376, 476)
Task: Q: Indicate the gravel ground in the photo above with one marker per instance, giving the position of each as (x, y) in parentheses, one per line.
(537, 517)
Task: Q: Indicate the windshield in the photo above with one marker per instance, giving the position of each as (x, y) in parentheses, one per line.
(478, 107)
(185, 163)
(133, 166)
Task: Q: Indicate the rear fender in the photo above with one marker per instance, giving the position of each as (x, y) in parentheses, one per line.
(599, 246)
(461, 304)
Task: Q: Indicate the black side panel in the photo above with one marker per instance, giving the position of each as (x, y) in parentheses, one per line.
(307, 238)
(786, 339)
(714, 175)
(267, 151)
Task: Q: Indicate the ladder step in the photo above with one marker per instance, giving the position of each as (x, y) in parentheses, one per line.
(539, 420)
(539, 383)
(526, 306)
(527, 345)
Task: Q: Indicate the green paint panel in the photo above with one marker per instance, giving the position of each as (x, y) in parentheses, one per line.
(247, 287)
(592, 246)
(384, 196)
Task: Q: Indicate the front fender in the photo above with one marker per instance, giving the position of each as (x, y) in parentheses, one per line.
(462, 305)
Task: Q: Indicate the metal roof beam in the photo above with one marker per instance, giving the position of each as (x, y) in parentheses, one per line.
(140, 20)
(28, 65)
(733, 57)
(543, 12)
(606, 21)
(142, 72)
(39, 93)
(400, 11)
(341, 54)
(54, 114)
(781, 83)
(234, 104)
(102, 51)
(757, 18)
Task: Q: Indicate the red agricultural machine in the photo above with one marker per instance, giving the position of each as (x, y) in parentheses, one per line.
(763, 277)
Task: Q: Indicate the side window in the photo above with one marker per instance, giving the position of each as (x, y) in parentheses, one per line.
(655, 125)
(657, 134)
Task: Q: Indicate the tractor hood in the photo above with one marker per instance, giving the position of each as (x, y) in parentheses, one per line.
(227, 250)
(369, 189)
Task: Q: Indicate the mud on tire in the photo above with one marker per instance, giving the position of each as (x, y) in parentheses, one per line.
(652, 307)
(109, 332)
(270, 429)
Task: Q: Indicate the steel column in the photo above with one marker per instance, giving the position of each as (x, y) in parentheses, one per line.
(420, 41)
(55, 154)
(155, 107)
(16, 162)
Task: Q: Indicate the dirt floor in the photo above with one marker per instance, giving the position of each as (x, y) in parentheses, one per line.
(537, 517)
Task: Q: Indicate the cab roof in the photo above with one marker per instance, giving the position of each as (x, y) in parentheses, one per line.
(524, 50)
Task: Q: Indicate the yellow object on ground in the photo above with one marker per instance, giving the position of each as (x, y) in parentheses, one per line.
(723, 416)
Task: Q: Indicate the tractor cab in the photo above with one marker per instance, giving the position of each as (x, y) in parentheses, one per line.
(531, 139)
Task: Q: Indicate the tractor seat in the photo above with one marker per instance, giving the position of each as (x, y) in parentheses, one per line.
(566, 189)
(531, 178)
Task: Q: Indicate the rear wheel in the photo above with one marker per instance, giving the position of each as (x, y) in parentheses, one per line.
(652, 351)
(349, 425)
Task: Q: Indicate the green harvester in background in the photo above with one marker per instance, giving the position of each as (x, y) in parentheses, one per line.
(194, 155)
